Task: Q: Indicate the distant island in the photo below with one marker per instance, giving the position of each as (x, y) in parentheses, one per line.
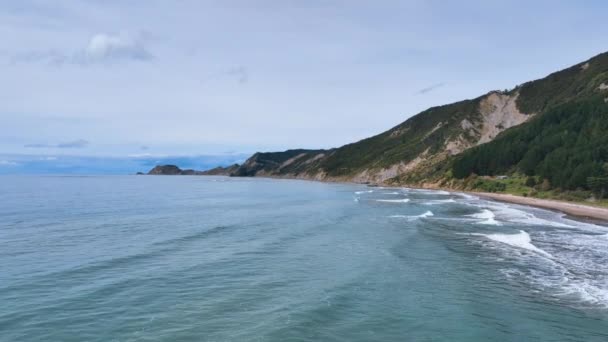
(174, 170)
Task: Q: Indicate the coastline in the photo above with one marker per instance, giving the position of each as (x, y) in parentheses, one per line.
(574, 209)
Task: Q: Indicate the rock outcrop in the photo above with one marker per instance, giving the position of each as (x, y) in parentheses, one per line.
(166, 170)
(174, 170)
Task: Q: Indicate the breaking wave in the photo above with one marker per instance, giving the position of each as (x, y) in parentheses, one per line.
(403, 200)
(487, 217)
(519, 240)
(428, 213)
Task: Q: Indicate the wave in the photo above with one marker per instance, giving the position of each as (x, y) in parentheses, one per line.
(575, 270)
(467, 196)
(510, 214)
(487, 216)
(403, 200)
(428, 213)
(364, 192)
(519, 240)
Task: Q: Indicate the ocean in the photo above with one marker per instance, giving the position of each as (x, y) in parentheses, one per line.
(193, 258)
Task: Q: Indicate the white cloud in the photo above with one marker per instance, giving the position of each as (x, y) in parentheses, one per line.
(104, 47)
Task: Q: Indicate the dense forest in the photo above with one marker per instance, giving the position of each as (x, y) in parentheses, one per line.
(567, 145)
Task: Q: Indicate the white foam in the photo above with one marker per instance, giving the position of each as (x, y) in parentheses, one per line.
(520, 240)
(487, 216)
(575, 271)
(428, 213)
(467, 196)
(364, 192)
(511, 214)
(390, 193)
(403, 200)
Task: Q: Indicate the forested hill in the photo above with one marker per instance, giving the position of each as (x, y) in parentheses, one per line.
(565, 146)
(552, 130)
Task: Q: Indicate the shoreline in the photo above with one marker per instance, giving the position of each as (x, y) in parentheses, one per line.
(575, 210)
(580, 211)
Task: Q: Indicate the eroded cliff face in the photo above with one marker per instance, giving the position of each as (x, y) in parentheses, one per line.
(497, 113)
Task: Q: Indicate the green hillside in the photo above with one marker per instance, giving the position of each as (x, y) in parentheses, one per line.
(565, 146)
(549, 135)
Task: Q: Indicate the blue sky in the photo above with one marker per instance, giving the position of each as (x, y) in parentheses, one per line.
(133, 79)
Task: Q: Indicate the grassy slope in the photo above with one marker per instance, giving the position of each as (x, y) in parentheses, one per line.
(427, 130)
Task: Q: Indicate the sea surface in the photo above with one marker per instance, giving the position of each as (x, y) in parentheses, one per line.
(161, 258)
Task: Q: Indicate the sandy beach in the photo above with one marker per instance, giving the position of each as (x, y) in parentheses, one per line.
(574, 209)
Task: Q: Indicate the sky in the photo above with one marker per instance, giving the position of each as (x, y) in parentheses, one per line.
(164, 79)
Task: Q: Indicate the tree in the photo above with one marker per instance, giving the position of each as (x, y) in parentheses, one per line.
(599, 185)
(531, 182)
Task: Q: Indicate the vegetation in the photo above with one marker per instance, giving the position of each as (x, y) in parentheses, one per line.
(565, 146)
(562, 152)
(563, 86)
(426, 131)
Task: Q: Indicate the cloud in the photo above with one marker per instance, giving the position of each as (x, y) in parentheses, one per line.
(102, 48)
(430, 88)
(80, 143)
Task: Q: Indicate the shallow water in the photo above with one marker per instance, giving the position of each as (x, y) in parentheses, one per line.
(126, 258)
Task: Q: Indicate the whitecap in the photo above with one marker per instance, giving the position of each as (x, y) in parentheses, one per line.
(403, 200)
(487, 216)
(364, 192)
(519, 240)
(511, 214)
(467, 196)
(428, 213)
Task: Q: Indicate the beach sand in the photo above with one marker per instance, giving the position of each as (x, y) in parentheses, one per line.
(574, 209)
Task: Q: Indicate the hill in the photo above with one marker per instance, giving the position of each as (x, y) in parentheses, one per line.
(551, 129)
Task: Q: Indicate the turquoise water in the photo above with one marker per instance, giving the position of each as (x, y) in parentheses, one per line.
(127, 258)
